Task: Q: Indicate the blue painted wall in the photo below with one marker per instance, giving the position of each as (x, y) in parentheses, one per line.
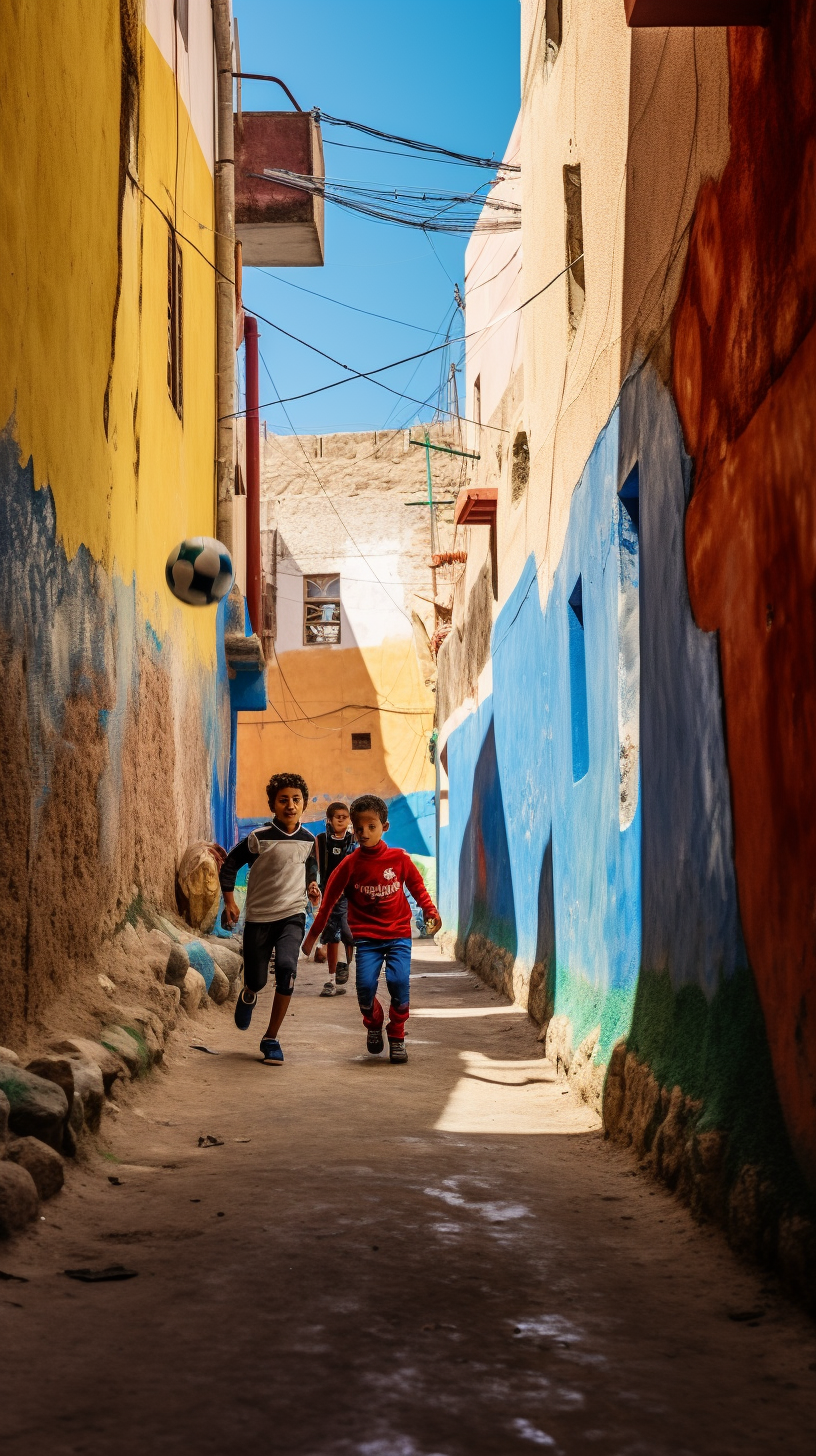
(535, 775)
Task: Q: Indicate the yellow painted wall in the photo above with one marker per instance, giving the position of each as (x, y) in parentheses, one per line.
(315, 681)
(130, 496)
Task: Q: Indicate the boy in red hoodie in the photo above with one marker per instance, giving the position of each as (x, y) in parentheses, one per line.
(379, 916)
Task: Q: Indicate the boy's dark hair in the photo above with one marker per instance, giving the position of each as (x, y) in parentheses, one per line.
(286, 781)
(332, 809)
(370, 804)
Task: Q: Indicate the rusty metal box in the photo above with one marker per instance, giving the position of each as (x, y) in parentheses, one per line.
(278, 226)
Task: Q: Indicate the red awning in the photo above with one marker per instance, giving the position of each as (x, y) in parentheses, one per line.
(476, 507)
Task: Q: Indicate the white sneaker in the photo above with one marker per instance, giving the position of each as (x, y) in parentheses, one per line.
(331, 989)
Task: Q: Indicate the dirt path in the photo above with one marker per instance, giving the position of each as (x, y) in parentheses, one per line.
(443, 1259)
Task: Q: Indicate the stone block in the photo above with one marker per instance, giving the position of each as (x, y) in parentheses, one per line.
(229, 961)
(111, 1065)
(178, 964)
(147, 1024)
(89, 1091)
(7, 1055)
(193, 992)
(219, 986)
(45, 1166)
(19, 1203)
(38, 1107)
(129, 1046)
(57, 1069)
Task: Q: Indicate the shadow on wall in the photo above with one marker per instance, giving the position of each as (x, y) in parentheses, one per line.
(541, 993)
(487, 915)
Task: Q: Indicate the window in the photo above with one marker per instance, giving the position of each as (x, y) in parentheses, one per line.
(575, 247)
(175, 325)
(520, 473)
(321, 610)
(182, 17)
(361, 740)
(578, 683)
(629, 645)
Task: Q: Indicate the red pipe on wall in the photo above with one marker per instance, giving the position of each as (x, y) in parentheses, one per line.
(253, 478)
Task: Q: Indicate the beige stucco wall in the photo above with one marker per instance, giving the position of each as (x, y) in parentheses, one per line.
(645, 113)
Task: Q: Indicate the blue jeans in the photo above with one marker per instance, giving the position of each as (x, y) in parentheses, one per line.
(396, 956)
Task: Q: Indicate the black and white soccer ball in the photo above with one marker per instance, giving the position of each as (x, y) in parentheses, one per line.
(199, 571)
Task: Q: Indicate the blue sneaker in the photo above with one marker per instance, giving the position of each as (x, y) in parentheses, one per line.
(244, 1010)
(271, 1051)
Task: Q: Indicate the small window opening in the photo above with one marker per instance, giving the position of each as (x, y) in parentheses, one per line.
(629, 645)
(361, 740)
(175, 325)
(576, 287)
(578, 683)
(477, 401)
(520, 473)
(183, 20)
(321, 610)
(552, 32)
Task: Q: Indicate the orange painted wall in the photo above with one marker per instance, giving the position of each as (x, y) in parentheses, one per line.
(745, 386)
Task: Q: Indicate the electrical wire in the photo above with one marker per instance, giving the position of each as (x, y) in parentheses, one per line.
(405, 207)
(429, 147)
(409, 359)
(340, 304)
(407, 156)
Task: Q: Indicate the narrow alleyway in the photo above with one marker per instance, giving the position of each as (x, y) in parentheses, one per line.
(439, 1260)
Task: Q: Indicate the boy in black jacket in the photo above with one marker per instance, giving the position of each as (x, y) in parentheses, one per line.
(283, 873)
(332, 848)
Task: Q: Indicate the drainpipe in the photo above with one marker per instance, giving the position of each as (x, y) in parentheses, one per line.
(225, 274)
(253, 477)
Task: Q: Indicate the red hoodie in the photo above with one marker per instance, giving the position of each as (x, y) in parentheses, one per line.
(373, 880)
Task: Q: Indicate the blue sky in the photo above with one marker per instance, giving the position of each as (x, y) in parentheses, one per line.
(445, 71)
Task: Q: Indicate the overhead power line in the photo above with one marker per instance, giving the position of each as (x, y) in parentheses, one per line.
(459, 214)
(423, 353)
(431, 148)
(340, 304)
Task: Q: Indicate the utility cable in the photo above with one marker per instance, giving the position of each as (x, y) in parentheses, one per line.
(406, 156)
(464, 157)
(411, 211)
(409, 359)
(340, 304)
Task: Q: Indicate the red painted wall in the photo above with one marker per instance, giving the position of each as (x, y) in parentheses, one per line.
(745, 386)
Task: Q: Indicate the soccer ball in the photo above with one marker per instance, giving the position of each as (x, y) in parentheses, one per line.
(199, 571)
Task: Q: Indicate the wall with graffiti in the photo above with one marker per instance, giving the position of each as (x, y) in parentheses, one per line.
(115, 734)
(627, 809)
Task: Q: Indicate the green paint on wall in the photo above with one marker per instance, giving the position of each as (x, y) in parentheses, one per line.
(589, 1006)
(717, 1052)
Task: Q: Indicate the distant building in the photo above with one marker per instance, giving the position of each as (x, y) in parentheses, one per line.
(351, 610)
